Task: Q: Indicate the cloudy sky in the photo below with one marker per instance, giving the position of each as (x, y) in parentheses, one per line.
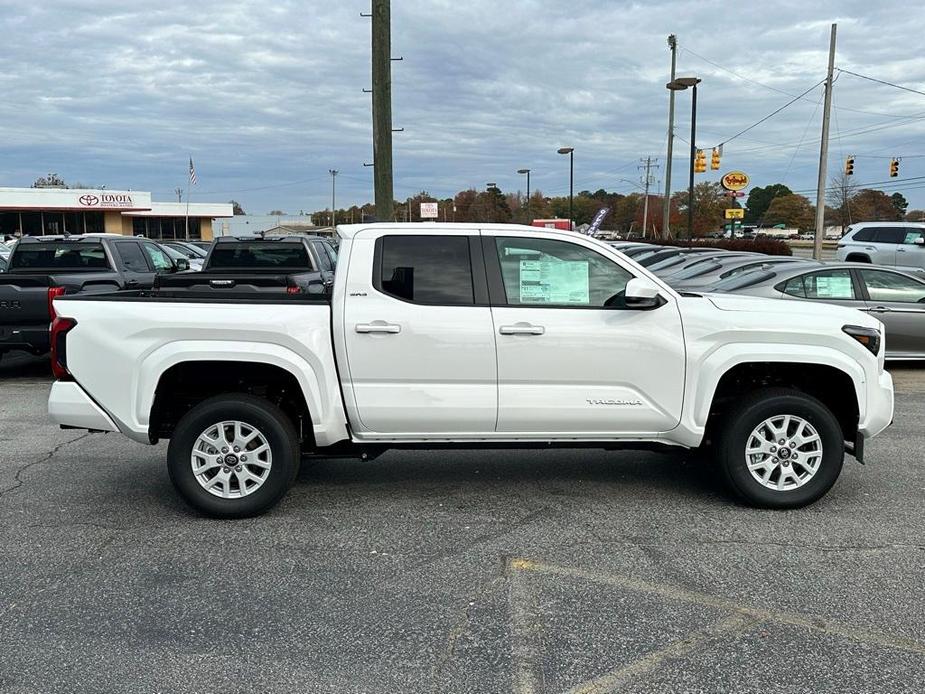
(267, 96)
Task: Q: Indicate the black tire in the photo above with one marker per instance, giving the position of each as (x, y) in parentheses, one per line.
(273, 425)
(749, 413)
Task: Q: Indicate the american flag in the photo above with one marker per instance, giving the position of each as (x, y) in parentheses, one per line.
(192, 173)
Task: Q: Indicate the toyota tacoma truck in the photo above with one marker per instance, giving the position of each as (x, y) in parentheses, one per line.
(472, 336)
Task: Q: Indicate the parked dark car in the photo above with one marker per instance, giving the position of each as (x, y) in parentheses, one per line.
(43, 267)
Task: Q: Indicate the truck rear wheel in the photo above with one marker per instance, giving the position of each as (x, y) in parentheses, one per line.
(783, 449)
(233, 456)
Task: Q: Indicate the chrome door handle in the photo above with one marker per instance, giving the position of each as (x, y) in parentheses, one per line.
(378, 326)
(880, 309)
(522, 329)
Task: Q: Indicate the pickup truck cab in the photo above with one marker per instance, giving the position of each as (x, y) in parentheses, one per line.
(43, 267)
(477, 336)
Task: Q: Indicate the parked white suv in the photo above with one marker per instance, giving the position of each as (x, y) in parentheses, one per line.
(899, 244)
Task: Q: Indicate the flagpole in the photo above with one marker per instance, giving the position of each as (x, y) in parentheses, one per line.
(189, 176)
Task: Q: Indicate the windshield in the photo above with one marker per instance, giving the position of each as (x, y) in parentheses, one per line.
(59, 255)
(747, 279)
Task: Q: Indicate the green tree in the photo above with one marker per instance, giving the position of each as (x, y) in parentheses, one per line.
(759, 199)
(793, 211)
(236, 207)
(900, 203)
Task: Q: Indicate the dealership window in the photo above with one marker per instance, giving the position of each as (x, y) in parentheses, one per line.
(31, 223)
(54, 222)
(9, 224)
(93, 222)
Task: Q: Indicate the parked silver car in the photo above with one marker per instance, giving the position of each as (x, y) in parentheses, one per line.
(899, 244)
(702, 276)
(894, 297)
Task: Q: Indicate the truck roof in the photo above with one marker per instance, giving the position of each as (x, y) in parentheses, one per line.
(348, 231)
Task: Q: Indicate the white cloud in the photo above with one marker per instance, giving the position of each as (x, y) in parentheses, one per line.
(267, 96)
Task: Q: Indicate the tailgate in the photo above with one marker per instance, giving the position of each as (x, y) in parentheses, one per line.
(23, 302)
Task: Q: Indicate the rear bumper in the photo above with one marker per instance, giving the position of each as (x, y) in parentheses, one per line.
(30, 338)
(879, 413)
(70, 406)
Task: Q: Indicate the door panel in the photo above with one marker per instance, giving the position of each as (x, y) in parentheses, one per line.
(419, 368)
(566, 365)
(898, 301)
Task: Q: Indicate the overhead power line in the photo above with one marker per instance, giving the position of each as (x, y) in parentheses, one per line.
(874, 79)
(770, 115)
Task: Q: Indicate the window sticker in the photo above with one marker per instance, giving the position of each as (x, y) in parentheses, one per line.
(833, 287)
(555, 282)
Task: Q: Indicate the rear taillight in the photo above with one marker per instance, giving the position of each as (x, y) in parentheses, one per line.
(59, 330)
(52, 293)
(293, 289)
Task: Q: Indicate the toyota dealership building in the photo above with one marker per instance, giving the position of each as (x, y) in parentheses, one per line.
(40, 211)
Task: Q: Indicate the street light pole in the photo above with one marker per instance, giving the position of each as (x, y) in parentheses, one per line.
(690, 185)
(570, 151)
(489, 186)
(526, 171)
(680, 84)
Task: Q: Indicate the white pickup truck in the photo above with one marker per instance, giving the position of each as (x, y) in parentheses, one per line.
(487, 336)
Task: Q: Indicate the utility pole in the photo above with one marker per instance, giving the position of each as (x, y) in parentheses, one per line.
(666, 204)
(333, 173)
(382, 107)
(179, 192)
(824, 152)
(647, 181)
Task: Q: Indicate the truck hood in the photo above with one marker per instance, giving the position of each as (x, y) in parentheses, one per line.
(793, 307)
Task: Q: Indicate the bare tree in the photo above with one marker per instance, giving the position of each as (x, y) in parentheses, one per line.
(841, 191)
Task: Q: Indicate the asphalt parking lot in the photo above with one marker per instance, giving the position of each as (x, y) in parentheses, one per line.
(540, 571)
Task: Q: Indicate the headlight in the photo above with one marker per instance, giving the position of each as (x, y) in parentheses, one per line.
(869, 337)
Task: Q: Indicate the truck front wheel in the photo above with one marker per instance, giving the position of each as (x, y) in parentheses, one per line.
(781, 449)
(233, 456)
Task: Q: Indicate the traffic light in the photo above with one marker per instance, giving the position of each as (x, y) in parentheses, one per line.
(714, 161)
(894, 168)
(700, 162)
(849, 166)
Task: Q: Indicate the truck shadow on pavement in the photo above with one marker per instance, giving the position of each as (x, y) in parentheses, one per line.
(20, 365)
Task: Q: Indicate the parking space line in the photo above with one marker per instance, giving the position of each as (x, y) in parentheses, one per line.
(526, 634)
(814, 623)
(612, 680)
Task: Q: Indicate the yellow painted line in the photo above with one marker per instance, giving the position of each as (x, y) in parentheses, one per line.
(814, 623)
(614, 679)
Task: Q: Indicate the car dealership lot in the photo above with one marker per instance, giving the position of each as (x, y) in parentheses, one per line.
(470, 571)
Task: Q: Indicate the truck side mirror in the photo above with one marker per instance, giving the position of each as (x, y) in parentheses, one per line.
(642, 294)
(182, 264)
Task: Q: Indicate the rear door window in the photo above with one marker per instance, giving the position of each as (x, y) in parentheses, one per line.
(425, 269)
(323, 260)
(132, 258)
(890, 235)
(866, 234)
(834, 285)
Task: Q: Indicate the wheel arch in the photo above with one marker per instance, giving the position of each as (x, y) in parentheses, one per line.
(832, 386)
(183, 385)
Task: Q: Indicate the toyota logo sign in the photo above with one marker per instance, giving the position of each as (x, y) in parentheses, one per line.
(88, 200)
